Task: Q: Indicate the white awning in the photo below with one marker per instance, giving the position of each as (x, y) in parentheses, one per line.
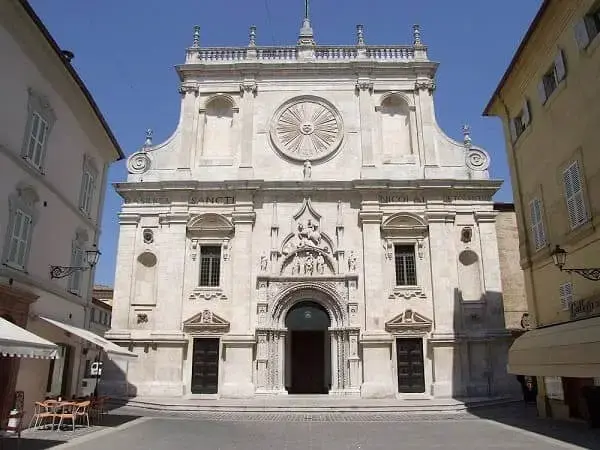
(20, 343)
(113, 351)
(570, 349)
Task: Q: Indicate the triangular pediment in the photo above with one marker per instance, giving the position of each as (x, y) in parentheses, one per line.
(409, 320)
(206, 321)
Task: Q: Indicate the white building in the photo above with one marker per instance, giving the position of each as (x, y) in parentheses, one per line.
(308, 228)
(55, 148)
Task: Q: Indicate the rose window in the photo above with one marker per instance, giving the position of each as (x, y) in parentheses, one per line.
(307, 129)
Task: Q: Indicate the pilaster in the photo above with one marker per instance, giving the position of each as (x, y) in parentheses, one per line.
(444, 274)
(189, 123)
(372, 267)
(248, 91)
(243, 222)
(364, 86)
(170, 268)
(426, 120)
(237, 370)
(124, 275)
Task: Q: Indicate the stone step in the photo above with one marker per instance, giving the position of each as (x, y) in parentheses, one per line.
(310, 404)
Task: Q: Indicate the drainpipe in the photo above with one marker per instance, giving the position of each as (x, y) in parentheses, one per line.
(517, 181)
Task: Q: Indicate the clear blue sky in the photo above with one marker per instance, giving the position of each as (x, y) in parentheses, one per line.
(125, 52)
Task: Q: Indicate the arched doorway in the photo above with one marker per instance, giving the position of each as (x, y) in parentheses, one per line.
(308, 356)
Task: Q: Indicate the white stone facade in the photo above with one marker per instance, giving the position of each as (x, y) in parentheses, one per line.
(318, 176)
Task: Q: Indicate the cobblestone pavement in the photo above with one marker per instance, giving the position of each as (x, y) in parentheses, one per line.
(509, 427)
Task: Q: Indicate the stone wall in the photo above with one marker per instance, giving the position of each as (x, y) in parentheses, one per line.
(513, 280)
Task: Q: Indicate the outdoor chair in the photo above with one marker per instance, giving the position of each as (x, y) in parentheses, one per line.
(73, 412)
(41, 411)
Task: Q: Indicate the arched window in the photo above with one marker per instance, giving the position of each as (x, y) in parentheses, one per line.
(395, 128)
(218, 128)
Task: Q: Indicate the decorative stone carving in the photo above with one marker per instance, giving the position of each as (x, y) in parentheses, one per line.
(27, 194)
(407, 293)
(364, 85)
(410, 323)
(307, 170)
(352, 261)
(142, 318)
(138, 163)
(308, 261)
(477, 159)
(428, 85)
(466, 234)
(248, 87)
(148, 236)
(264, 263)
(307, 129)
(208, 294)
(206, 322)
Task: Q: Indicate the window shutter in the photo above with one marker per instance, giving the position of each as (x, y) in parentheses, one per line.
(513, 130)
(581, 33)
(566, 295)
(25, 238)
(559, 63)
(14, 236)
(578, 198)
(537, 224)
(42, 143)
(526, 113)
(542, 92)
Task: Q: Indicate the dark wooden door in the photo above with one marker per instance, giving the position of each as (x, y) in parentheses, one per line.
(411, 376)
(308, 362)
(205, 366)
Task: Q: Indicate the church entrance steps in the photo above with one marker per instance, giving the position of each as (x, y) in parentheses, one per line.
(310, 404)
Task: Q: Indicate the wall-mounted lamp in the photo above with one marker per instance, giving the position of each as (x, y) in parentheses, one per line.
(559, 256)
(91, 257)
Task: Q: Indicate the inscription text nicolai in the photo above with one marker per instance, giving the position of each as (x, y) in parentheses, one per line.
(391, 197)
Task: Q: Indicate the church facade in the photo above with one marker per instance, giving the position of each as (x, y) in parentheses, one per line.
(308, 228)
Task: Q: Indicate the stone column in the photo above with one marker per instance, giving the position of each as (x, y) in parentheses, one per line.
(333, 336)
(248, 91)
(124, 276)
(189, 123)
(238, 345)
(364, 87)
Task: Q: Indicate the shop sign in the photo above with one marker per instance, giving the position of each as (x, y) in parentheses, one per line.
(586, 307)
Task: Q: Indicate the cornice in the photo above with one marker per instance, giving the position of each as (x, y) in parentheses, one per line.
(370, 217)
(485, 216)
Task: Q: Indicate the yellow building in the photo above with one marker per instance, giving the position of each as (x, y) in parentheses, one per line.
(549, 103)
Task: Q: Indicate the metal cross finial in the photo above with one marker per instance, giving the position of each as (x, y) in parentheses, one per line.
(467, 135)
(360, 35)
(252, 34)
(417, 34)
(196, 42)
(148, 141)
(306, 9)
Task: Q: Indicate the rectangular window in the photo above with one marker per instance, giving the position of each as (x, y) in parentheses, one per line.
(538, 234)
(587, 28)
(93, 318)
(566, 295)
(552, 78)
(406, 270)
(520, 123)
(210, 265)
(36, 141)
(87, 191)
(19, 239)
(76, 261)
(574, 195)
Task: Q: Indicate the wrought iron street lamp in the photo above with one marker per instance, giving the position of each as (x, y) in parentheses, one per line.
(559, 256)
(91, 258)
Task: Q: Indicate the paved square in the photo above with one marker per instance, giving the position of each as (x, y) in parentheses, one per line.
(187, 433)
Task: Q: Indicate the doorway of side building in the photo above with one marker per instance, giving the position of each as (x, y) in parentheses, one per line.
(205, 366)
(308, 354)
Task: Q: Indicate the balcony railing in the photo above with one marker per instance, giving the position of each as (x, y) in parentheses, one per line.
(228, 55)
